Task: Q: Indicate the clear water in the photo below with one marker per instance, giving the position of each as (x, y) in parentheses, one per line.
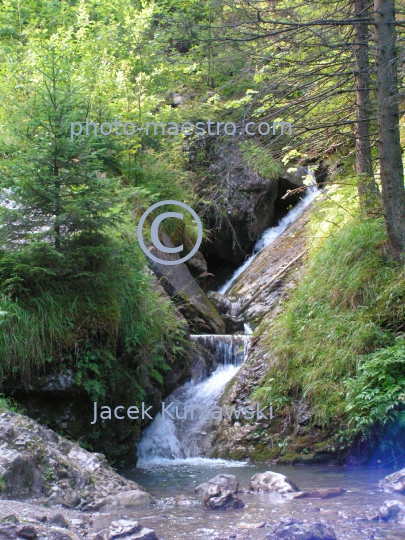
(171, 465)
(345, 514)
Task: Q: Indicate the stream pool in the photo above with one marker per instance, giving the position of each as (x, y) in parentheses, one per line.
(346, 514)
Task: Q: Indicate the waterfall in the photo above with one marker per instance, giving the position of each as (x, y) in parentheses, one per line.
(175, 437)
(225, 349)
(271, 234)
(177, 433)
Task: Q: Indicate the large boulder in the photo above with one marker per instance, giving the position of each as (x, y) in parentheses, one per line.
(185, 291)
(227, 482)
(293, 529)
(392, 511)
(393, 483)
(269, 482)
(36, 462)
(220, 499)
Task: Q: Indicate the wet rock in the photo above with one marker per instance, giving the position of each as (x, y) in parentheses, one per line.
(218, 499)
(126, 528)
(393, 483)
(35, 461)
(27, 532)
(234, 325)
(225, 307)
(227, 482)
(185, 291)
(182, 500)
(328, 493)
(392, 511)
(124, 499)
(9, 532)
(59, 520)
(269, 482)
(292, 529)
(252, 525)
(42, 518)
(221, 302)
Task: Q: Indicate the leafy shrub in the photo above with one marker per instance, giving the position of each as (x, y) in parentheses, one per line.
(375, 399)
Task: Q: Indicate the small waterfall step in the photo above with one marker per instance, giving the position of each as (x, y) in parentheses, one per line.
(178, 435)
(225, 349)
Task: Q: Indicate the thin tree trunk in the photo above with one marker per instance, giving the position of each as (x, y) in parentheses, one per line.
(367, 187)
(389, 147)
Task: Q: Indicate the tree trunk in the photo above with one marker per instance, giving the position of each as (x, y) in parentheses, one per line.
(389, 147)
(367, 187)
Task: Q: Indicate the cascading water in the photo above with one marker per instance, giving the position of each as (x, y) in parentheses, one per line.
(174, 437)
(271, 234)
(225, 349)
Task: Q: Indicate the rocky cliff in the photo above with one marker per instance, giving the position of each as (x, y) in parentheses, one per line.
(287, 437)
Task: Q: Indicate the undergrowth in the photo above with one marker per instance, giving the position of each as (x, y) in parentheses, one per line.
(336, 344)
(108, 325)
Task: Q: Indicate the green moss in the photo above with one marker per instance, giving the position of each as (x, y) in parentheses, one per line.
(265, 454)
(290, 458)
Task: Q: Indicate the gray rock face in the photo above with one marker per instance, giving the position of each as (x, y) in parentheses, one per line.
(227, 482)
(218, 499)
(243, 209)
(394, 483)
(190, 298)
(296, 175)
(269, 482)
(221, 302)
(292, 529)
(243, 203)
(36, 462)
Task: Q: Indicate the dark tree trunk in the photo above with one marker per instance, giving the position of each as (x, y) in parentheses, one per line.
(367, 187)
(389, 147)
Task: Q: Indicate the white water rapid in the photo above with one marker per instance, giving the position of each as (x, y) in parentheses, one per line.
(271, 234)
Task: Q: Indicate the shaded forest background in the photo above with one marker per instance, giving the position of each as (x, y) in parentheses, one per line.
(74, 290)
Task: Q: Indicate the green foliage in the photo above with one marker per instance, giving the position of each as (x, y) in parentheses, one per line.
(260, 161)
(375, 399)
(350, 302)
(7, 404)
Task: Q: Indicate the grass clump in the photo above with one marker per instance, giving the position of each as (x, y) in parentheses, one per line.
(340, 326)
(7, 404)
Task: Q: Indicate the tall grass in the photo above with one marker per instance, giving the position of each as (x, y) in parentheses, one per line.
(113, 315)
(350, 301)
